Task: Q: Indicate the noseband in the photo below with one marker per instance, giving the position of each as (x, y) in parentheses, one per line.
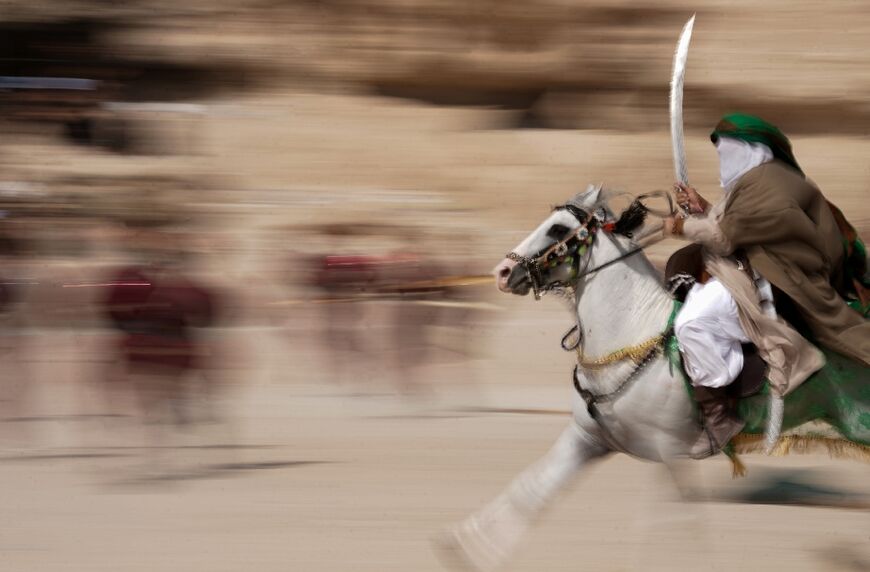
(574, 243)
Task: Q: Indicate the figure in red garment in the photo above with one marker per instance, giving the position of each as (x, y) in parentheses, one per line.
(158, 311)
(410, 277)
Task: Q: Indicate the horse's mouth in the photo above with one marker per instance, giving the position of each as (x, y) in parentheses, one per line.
(519, 283)
(512, 278)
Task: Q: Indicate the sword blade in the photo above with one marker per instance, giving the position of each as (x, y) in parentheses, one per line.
(677, 77)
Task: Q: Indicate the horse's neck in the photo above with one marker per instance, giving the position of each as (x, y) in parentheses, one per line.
(623, 304)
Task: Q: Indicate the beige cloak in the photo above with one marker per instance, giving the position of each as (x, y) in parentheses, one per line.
(790, 357)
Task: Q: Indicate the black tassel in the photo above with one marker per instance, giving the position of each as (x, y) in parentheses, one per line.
(631, 219)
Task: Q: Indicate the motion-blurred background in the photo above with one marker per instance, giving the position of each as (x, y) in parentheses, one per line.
(243, 249)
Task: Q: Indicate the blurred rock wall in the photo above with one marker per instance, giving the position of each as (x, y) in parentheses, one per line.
(600, 65)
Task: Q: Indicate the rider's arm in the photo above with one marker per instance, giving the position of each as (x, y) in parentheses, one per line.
(705, 230)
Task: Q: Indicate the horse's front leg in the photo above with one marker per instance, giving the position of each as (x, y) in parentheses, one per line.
(486, 539)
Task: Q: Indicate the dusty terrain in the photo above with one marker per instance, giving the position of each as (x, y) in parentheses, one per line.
(310, 479)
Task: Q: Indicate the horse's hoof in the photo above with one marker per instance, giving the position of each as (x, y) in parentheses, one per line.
(450, 553)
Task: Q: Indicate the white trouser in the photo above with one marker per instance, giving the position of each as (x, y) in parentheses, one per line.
(709, 333)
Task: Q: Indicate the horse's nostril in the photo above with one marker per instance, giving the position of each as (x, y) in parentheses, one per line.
(504, 272)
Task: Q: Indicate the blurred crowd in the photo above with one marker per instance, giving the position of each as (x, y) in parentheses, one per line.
(392, 310)
(130, 313)
(136, 300)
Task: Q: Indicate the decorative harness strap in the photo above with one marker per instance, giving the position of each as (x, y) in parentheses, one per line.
(642, 354)
(636, 353)
(652, 347)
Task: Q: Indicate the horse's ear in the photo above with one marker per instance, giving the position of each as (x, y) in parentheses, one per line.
(590, 197)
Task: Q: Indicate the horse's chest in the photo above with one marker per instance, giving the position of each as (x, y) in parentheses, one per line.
(640, 420)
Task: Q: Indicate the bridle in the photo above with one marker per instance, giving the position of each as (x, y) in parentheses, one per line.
(576, 244)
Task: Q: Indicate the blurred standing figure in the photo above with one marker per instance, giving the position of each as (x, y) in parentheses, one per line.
(416, 314)
(156, 309)
(343, 279)
(15, 380)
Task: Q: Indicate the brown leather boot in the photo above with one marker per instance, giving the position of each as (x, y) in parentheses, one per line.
(721, 424)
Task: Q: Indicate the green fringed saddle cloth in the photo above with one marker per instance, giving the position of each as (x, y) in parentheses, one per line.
(829, 412)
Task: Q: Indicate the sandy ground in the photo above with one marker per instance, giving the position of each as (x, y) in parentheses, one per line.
(303, 476)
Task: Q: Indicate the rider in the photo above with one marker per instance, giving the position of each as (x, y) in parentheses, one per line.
(773, 223)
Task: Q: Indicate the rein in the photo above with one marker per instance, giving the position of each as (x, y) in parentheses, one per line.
(641, 354)
(614, 261)
(585, 235)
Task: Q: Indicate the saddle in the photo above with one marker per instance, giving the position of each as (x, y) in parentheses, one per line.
(685, 267)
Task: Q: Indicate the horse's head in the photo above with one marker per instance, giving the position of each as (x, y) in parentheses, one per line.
(554, 253)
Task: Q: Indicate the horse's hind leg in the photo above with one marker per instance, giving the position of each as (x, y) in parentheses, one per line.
(486, 539)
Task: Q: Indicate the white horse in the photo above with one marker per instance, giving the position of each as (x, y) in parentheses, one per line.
(640, 406)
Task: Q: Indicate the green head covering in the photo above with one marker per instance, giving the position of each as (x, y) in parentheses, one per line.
(756, 130)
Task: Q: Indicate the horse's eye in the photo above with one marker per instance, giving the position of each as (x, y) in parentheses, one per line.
(558, 231)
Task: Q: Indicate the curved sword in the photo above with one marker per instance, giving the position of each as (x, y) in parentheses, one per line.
(677, 77)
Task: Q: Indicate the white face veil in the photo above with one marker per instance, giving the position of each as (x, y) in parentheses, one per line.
(736, 157)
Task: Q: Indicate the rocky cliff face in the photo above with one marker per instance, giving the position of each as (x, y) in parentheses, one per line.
(563, 64)
(310, 112)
